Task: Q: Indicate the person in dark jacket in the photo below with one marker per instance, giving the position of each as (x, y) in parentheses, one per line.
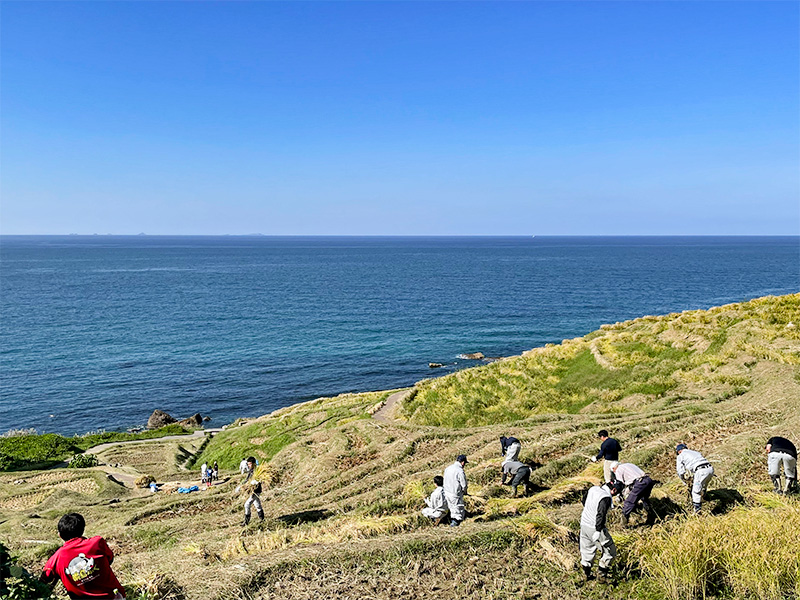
(609, 452)
(509, 448)
(781, 451)
(594, 533)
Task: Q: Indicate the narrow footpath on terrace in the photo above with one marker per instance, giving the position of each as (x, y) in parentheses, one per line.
(385, 413)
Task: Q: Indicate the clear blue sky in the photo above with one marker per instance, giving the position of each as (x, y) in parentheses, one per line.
(400, 118)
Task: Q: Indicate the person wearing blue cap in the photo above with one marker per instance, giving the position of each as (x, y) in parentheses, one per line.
(691, 462)
(455, 486)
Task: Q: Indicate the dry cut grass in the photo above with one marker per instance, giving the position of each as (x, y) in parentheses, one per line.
(749, 553)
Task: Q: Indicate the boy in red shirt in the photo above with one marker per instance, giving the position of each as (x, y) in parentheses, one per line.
(84, 565)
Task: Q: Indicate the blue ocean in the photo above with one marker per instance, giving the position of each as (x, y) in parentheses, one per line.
(97, 331)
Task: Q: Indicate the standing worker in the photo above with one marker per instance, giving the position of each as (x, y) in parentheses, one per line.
(517, 473)
(609, 452)
(781, 451)
(455, 486)
(639, 486)
(594, 533)
(692, 462)
(255, 490)
(509, 448)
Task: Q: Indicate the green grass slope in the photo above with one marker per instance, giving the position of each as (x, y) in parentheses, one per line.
(701, 354)
(343, 489)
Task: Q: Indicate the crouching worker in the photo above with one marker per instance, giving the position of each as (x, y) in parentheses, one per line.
(436, 504)
(254, 487)
(455, 486)
(639, 487)
(518, 473)
(594, 534)
(82, 564)
(692, 464)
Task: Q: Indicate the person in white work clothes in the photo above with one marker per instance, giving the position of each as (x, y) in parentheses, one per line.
(436, 504)
(455, 486)
(691, 462)
(594, 534)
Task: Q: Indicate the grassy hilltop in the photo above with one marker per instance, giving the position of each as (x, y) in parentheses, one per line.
(344, 479)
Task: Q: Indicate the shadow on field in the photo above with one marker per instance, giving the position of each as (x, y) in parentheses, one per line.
(723, 500)
(666, 507)
(306, 516)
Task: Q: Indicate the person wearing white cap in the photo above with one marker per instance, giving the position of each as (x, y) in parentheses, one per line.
(455, 486)
(692, 462)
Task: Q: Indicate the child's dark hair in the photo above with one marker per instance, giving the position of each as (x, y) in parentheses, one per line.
(438, 480)
(71, 526)
(251, 459)
(602, 433)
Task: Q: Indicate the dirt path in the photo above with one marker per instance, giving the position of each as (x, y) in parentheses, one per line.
(385, 413)
(601, 360)
(127, 479)
(197, 433)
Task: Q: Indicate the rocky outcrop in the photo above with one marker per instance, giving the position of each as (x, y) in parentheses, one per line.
(435, 365)
(159, 419)
(473, 356)
(196, 420)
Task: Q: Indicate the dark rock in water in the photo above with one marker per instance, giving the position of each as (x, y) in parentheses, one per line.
(474, 356)
(194, 421)
(435, 365)
(206, 418)
(159, 419)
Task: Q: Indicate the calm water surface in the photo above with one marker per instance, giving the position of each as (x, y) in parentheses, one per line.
(98, 331)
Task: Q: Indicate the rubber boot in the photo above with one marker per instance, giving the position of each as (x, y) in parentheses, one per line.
(246, 518)
(776, 483)
(696, 506)
(604, 576)
(791, 485)
(587, 573)
(261, 516)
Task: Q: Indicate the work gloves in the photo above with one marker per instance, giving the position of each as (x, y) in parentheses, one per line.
(594, 459)
(596, 536)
